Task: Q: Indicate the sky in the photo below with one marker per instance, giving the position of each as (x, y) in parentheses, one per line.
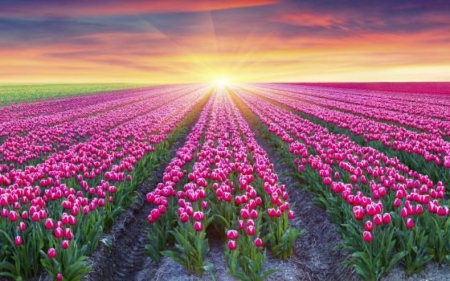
(181, 41)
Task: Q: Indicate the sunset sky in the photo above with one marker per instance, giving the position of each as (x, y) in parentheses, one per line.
(183, 41)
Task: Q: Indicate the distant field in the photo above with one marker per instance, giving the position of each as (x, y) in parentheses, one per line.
(407, 87)
(10, 93)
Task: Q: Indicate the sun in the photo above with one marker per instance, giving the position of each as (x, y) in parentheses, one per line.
(222, 81)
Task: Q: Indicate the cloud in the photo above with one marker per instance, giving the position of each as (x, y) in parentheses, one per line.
(85, 8)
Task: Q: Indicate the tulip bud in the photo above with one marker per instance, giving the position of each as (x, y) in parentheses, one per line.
(258, 242)
(198, 226)
(367, 236)
(441, 211)
(65, 244)
(49, 224)
(18, 240)
(368, 226)
(13, 216)
(254, 214)
(397, 202)
(59, 232)
(232, 234)
(232, 245)
(327, 181)
(22, 226)
(358, 212)
(245, 214)
(51, 253)
(377, 219)
(184, 217)
(387, 218)
(419, 209)
(68, 233)
(404, 212)
(251, 230)
(199, 216)
(291, 214)
(410, 223)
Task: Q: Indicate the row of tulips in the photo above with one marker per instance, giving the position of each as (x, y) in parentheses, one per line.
(73, 107)
(59, 131)
(424, 124)
(385, 211)
(53, 213)
(432, 106)
(431, 147)
(427, 153)
(221, 179)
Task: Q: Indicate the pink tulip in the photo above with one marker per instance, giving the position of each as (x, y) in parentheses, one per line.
(367, 236)
(198, 226)
(199, 216)
(377, 219)
(251, 230)
(184, 217)
(49, 224)
(22, 226)
(358, 212)
(232, 245)
(327, 181)
(404, 212)
(65, 244)
(368, 226)
(410, 223)
(51, 253)
(387, 218)
(258, 242)
(18, 240)
(232, 234)
(13, 216)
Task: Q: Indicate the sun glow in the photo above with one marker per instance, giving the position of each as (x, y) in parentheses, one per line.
(222, 82)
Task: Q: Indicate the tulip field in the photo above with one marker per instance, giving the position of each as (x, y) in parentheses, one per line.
(232, 161)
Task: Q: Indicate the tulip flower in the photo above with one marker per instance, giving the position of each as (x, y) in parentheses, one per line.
(387, 218)
(232, 234)
(184, 217)
(65, 244)
(367, 236)
(377, 219)
(18, 240)
(358, 212)
(258, 242)
(58, 232)
(22, 226)
(49, 224)
(198, 226)
(404, 212)
(51, 253)
(199, 216)
(251, 230)
(232, 245)
(410, 223)
(368, 226)
(13, 216)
